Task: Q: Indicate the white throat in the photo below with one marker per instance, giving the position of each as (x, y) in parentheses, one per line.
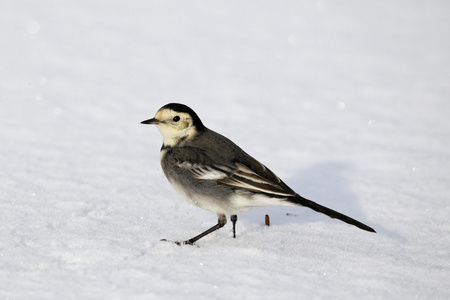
(173, 137)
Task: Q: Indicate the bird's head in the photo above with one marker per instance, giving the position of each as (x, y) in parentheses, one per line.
(177, 123)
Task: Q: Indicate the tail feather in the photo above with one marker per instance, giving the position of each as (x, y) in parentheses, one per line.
(329, 212)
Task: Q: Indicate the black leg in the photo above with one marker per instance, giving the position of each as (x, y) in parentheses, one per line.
(220, 223)
(233, 219)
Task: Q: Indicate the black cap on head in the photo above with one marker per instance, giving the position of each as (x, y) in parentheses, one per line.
(178, 107)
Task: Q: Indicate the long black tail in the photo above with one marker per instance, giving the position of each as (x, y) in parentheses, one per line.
(329, 212)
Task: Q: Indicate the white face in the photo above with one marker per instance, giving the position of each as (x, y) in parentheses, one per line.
(174, 126)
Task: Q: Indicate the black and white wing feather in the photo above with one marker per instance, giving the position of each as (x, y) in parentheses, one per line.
(250, 176)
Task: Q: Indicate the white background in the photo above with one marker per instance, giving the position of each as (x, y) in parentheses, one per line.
(347, 101)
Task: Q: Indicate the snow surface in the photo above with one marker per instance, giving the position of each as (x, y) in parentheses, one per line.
(347, 101)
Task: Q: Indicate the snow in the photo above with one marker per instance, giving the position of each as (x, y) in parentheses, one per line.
(347, 101)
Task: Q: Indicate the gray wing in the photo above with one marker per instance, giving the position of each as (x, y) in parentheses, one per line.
(245, 173)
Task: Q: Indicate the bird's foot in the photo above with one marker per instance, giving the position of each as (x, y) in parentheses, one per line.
(179, 243)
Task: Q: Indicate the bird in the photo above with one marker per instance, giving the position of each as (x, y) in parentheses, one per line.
(213, 173)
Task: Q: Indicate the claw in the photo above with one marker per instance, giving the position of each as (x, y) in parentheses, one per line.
(179, 243)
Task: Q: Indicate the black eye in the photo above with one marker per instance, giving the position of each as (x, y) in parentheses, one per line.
(176, 119)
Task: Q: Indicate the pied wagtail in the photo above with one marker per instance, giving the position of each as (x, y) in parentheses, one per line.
(213, 173)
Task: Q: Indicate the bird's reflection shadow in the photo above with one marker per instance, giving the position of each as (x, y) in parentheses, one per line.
(325, 183)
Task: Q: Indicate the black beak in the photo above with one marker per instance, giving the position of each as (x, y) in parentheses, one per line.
(150, 121)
